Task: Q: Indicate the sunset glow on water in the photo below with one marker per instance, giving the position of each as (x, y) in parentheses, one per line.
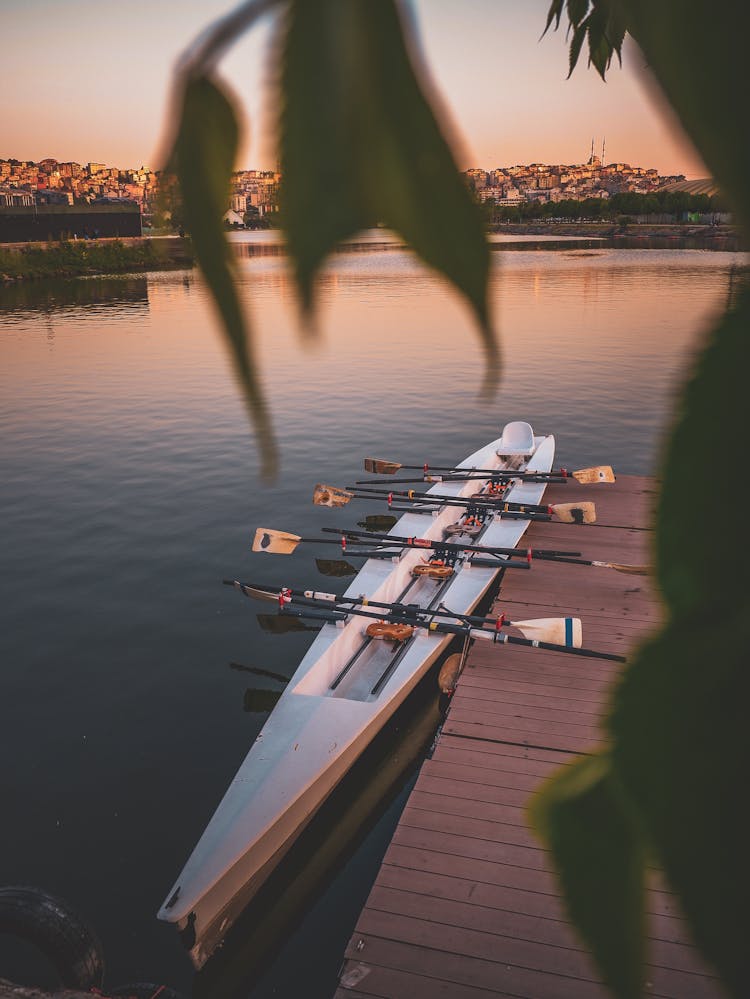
(131, 489)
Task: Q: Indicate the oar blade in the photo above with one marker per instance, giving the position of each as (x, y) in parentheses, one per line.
(380, 466)
(575, 513)
(332, 496)
(335, 567)
(598, 473)
(632, 570)
(275, 542)
(253, 591)
(556, 630)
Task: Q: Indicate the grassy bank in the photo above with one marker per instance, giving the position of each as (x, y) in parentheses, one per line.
(73, 258)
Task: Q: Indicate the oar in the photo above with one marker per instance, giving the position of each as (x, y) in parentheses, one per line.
(569, 513)
(598, 473)
(544, 554)
(506, 478)
(495, 635)
(449, 546)
(564, 630)
(283, 543)
(633, 570)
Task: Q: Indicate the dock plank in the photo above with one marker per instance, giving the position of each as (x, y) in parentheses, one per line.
(466, 903)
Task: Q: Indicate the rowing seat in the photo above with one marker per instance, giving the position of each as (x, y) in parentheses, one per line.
(391, 632)
(517, 440)
(469, 529)
(433, 571)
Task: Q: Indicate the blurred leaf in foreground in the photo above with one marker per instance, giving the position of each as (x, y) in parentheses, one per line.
(600, 858)
(682, 742)
(203, 158)
(361, 146)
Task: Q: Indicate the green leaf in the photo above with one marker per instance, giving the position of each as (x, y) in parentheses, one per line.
(576, 42)
(682, 743)
(361, 146)
(699, 56)
(699, 570)
(603, 22)
(682, 752)
(601, 863)
(554, 14)
(577, 10)
(203, 157)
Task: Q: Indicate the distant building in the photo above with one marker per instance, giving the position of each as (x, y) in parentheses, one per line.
(13, 196)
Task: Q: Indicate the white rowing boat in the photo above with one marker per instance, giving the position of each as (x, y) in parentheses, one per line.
(343, 692)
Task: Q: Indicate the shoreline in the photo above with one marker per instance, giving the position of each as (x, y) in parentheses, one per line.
(634, 235)
(21, 262)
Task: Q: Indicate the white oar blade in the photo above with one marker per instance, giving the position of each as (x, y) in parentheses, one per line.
(253, 591)
(633, 570)
(331, 496)
(575, 513)
(275, 542)
(557, 630)
(381, 467)
(599, 473)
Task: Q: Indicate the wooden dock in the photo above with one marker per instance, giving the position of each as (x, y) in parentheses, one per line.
(465, 904)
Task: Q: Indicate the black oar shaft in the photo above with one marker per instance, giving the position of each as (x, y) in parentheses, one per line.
(362, 537)
(497, 636)
(314, 598)
(426, 469)
(488, 476)
(442, 500)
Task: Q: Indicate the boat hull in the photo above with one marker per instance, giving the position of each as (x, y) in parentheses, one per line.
(343, 692)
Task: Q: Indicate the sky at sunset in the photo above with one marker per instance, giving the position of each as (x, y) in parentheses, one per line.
(90, 81)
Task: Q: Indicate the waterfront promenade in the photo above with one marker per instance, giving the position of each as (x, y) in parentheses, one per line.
(465, 904)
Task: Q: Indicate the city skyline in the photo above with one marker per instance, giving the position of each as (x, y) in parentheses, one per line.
(504, 89)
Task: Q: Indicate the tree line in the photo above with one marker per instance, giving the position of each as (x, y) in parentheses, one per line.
(619, 207)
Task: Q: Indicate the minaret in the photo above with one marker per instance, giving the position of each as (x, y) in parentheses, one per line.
(603, 141)
(592, 150)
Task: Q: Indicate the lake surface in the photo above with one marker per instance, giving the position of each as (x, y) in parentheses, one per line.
(130, 488)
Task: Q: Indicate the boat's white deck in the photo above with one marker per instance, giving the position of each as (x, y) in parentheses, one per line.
(320, 726)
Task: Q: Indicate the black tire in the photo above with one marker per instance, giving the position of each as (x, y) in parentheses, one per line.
(68, 943)
(145, 990)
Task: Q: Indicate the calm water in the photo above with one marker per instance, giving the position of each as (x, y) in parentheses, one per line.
(130, 489)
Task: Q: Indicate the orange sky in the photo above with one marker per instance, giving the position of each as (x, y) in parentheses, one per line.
(89, 81)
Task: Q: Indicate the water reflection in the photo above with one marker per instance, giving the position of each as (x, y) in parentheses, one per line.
(259, 700)
(57, 294)
(275, 624)
(130, 490)
(281, 914)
